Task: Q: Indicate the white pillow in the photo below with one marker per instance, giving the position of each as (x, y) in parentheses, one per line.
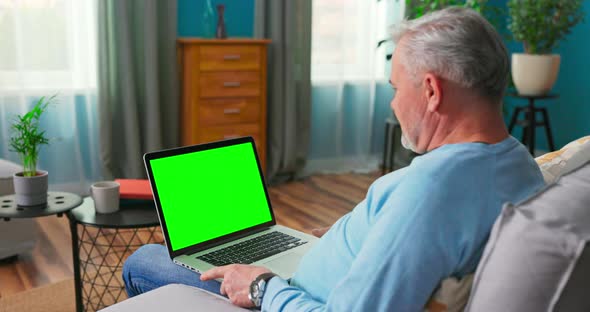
(533, 249)
(572, 156)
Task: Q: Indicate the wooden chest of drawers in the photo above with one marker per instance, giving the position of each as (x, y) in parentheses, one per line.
(223, 90)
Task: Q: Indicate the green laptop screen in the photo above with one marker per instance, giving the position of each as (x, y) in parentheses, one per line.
(210, 193)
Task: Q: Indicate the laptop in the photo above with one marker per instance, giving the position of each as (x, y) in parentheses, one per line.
(214, 209)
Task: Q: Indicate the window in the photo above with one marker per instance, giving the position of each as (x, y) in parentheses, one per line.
(345, 34)
(47, 44)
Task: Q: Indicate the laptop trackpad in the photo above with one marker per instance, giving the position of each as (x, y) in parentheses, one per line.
(286, 264)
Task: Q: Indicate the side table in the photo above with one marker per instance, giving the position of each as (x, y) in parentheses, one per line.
(58, 203)
(102, 242)
(529, 124)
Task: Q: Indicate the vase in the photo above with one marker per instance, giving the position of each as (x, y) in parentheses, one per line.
(208, 20)
(31, 191)
(221, 32)
(534, 74)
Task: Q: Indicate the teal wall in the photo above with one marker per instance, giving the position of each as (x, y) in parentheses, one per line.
(570, 114)
(239, 17)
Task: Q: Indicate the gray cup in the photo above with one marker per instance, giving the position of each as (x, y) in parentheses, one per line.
(106, 196)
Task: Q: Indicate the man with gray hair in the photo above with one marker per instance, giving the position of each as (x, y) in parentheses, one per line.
(417, 225)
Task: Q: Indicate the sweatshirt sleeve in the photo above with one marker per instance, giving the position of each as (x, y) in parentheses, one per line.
(404, 257)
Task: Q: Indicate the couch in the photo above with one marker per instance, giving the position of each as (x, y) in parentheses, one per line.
(16, 236)
(537, 257)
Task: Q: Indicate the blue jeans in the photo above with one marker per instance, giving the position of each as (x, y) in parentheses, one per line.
(150, 267)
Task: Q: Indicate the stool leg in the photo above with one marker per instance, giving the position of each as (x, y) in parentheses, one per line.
(385, 148)
(531, 126)
(393, 137)
(513, 119)
(525, 129)
(547, 129)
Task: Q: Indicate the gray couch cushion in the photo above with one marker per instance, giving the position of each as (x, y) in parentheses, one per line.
(535, 249)
(7, 169)
(177, 298)
(16, 236)
(574, 296)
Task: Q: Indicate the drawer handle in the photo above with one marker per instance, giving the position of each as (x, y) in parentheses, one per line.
(230, 136)
(231, 84)
(231, 57)
(229, 111)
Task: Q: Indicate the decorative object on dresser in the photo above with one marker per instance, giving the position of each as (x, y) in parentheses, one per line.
(221, 32)
(223, 90)
(30, 185)
(207, 20)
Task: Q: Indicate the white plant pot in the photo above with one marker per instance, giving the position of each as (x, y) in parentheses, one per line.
(31, 191)
(534, 74)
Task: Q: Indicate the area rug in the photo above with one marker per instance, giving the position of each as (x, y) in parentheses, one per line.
(57, 297)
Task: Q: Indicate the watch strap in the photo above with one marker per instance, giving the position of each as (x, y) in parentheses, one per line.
(265, 276)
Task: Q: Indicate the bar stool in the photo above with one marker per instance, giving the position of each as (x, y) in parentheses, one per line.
(530, 123)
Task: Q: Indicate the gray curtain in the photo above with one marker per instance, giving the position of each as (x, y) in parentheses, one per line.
(138, 82)
(288, 24)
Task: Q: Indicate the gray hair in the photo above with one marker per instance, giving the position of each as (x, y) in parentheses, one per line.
(456, 44)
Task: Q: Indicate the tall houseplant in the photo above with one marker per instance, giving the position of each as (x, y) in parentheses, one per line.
(30, 185)
(540, 25)
(417, 8)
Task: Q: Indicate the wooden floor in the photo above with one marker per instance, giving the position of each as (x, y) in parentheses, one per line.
(313, 202)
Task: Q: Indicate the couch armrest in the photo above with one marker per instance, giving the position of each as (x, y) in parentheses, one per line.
(177, 298)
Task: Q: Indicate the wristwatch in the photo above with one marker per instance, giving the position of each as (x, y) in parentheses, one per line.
(257, 288)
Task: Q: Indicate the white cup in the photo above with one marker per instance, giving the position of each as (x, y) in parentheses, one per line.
(106, 196)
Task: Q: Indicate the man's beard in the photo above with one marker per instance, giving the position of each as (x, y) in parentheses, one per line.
(407, 143)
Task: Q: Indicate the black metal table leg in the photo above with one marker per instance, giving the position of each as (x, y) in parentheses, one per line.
(548, 129)
(525, 129)
(385, 148)
(392, 148)
(531, 125)
(513, 119)
(76, 260)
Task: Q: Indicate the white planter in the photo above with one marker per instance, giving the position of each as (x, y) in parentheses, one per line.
(31, 191)
(534, 74)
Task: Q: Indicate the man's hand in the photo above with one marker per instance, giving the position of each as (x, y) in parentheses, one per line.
(320, 232)
(236, 281)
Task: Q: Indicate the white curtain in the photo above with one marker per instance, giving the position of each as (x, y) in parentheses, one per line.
(48, 47)
(350, 94)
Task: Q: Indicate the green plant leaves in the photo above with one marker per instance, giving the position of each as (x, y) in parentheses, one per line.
(541, 24)
(27, 137)
(417, 8)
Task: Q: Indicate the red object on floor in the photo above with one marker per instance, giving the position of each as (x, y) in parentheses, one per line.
(135, 189)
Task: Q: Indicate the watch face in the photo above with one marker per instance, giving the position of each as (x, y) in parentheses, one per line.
(254, 290)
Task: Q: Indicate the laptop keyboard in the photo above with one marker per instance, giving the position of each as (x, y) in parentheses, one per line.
(252, 250)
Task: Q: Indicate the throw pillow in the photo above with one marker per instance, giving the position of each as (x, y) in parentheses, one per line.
(533, 249)
(571, 156)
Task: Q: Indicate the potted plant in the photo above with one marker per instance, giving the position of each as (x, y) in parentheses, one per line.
(30, 185)
(540, 25)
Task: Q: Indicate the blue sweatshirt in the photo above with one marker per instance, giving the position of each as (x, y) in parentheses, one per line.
(416, 227)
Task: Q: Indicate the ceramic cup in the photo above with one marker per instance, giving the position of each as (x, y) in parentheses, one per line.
(106, 196)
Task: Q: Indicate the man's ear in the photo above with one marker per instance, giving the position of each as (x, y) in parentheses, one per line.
(433, 91)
